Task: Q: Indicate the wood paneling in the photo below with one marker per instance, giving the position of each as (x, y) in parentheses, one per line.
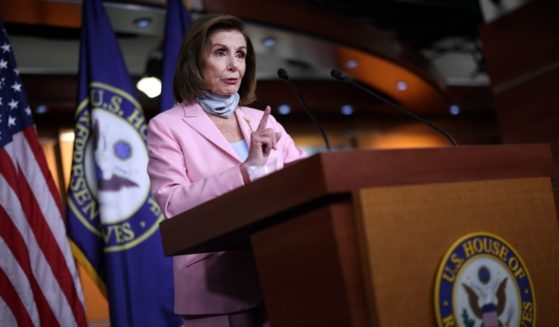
(522, 53)
(61, 14)
(405, 231)
(318, 253)
(522, 41)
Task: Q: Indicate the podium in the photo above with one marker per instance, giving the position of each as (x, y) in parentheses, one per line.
(355, 238)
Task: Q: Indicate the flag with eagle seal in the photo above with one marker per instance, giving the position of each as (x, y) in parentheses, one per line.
(483, 282)
(112, 217)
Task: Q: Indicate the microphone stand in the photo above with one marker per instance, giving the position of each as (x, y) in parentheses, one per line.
(282, 74)
(344, 78)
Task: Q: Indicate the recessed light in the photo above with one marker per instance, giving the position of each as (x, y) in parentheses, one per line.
(269, 42)
(41, 109)
(401, 86)
(284, 109)
(351, 63)
(347, 110)
(142, 22)
(454, 110)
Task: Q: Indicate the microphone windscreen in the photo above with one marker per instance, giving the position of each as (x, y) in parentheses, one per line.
(282, 73)
(338, 75)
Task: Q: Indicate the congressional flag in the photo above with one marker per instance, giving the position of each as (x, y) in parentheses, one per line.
(112, 217)
(177, 22)
(39, 283)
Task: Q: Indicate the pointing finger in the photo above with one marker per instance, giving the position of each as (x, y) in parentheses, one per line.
(264, 120)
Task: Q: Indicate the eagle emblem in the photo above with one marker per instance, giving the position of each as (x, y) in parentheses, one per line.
(487, 303)
(483, 282)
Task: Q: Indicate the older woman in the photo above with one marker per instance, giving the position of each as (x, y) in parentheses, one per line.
(200, 149)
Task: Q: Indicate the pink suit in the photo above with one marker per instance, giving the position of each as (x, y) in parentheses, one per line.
(191, 162)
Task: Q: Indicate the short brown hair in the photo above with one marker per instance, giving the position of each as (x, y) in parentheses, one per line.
(188, 84)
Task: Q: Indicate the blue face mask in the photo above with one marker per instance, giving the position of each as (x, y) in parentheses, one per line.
(220, 105)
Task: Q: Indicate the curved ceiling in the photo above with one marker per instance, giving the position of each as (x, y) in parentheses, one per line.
(310, 38)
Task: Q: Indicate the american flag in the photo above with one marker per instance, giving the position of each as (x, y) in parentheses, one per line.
(39, 283)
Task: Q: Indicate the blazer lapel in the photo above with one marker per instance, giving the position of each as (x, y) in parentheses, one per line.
(247, 125)
(196, 118)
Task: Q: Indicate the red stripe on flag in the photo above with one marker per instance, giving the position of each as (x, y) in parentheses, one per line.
(52, 252)
(33, 141)
(15, 242)
(8, 293)
(8, 169)
(43, 235)
(47, 242)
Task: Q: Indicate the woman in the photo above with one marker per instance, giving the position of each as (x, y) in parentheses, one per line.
(200, 149)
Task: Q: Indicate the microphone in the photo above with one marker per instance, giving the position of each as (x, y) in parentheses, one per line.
(344, 78)
(282, 74)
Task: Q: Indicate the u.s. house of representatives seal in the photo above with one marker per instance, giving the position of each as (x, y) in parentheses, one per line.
(109, 189)
(483, 282)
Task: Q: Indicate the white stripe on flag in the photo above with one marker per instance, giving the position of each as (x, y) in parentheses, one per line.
(8, 318)
(32, 172)
(19, 281)
(40, 267)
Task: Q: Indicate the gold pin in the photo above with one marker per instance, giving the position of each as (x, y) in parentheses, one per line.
(248, 122)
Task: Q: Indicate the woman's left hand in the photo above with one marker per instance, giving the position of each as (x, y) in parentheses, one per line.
(262, 141)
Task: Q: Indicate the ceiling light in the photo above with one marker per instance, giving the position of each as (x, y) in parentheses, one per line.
(269, 42)
(151, 86)
(454, 110)
(401, 86)
(347, 110)
(284, 109)
(142, 22)
(41, 109)
(351, 63)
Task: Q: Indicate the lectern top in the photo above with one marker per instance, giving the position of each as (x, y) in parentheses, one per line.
(327, 176)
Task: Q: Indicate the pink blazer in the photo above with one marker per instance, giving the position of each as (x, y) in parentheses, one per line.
(191, 162)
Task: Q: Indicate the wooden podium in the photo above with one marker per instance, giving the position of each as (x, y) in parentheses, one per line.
(355, 238)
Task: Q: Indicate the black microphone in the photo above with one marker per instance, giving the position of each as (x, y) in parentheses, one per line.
(344, 78)
(282, 73)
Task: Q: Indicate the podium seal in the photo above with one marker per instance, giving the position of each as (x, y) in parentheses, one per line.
(482, 281)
